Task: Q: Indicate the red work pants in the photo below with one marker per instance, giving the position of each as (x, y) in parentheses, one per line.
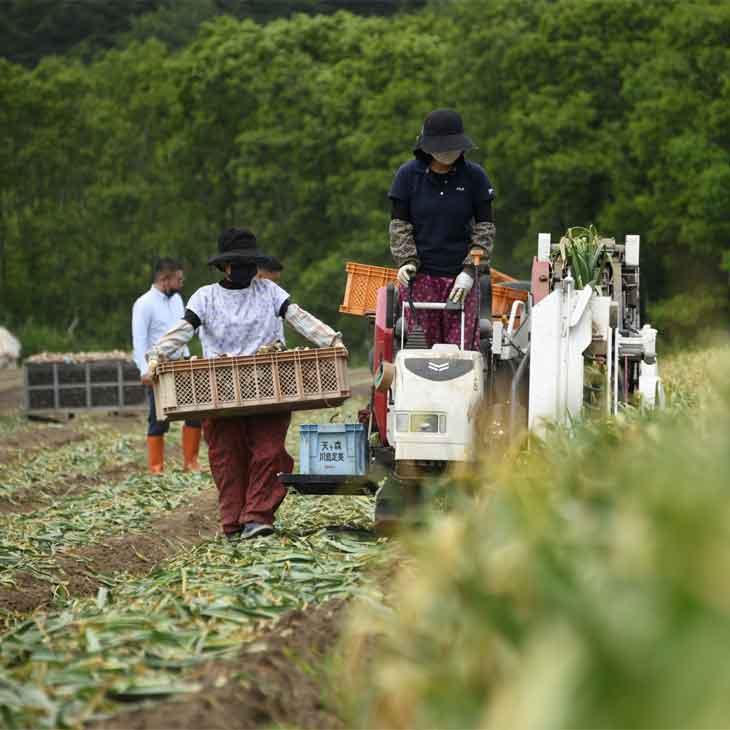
(440, 326)
(246, 455)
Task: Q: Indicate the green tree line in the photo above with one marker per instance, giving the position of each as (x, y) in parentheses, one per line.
(615, 112)
(31, 29)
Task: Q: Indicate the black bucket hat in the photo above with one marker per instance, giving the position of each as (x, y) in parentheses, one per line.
(443, 131)
(237, 244)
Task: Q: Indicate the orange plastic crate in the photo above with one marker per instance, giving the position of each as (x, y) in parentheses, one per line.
(503, 297)
(363, 282)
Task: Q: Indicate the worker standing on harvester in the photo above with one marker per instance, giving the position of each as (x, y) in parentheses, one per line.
(240, 315)
(152, 315)
(441, 228)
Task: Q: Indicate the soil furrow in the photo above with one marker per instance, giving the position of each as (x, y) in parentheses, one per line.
(28, 500)
(25, 443)
(277, 680)
(134, 553)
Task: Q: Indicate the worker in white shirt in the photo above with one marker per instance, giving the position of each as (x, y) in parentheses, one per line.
(152, 315)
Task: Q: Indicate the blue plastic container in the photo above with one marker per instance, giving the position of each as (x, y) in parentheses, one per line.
(333, 448)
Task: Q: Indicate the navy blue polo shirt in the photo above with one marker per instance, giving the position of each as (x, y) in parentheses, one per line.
(441, 210)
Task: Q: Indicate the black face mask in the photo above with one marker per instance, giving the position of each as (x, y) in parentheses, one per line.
(242, 274)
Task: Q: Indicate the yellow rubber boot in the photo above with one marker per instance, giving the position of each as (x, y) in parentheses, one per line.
(191, 446)
(156, 454)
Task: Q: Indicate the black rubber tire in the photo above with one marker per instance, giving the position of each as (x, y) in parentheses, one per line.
(396, 502)
(388, 516)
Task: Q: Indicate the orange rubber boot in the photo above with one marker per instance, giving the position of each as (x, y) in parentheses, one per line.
(156, 454)
(191, 445)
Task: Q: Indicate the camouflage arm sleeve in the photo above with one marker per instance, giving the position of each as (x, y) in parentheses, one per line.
(402, 242)
(482, 236)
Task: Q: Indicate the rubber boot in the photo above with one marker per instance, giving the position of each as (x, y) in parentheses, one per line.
(156, 454)
(191, 445)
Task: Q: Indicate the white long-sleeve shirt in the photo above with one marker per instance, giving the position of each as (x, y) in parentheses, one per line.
(153, 314)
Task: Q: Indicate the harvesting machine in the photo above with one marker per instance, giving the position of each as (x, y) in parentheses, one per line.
(548, 351)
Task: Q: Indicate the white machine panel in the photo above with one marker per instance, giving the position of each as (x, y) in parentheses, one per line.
(561, 331)
(436, 396)
(631, 252)
(543, 247)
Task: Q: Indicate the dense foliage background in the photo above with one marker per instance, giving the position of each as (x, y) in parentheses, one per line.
(615, 112)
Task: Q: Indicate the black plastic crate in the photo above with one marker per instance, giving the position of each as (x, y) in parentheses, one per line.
(41, 399)
(72, 398)
(39, 374)
(103, 372)
(106, 395)
(70, 374)
(134, 395)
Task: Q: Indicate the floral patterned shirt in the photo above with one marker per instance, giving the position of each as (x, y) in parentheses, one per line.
(238, 321)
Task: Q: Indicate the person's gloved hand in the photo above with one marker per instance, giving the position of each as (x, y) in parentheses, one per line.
(340, 344)
(151, 370)
(462, 286)
(406, 272)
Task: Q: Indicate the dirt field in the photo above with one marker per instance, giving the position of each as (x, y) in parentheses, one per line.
(278, 679)
(87, 537)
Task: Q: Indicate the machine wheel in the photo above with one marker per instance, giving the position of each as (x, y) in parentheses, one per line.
(388, 515)
(395, 502)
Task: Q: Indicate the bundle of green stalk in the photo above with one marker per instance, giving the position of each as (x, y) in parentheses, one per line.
(583, 250)
(586, 588)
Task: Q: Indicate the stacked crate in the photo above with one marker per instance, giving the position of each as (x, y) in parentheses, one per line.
(71, 383)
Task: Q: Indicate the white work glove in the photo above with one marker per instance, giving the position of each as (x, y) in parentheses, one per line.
(152, 368)
(339, 343)
(462, 286)
(405, 273)
(153, 362)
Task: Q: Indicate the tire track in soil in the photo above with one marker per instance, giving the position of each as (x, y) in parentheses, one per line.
(280, 683)
(135, 553)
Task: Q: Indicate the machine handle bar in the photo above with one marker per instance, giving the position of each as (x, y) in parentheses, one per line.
(448, 306)
(455, 306)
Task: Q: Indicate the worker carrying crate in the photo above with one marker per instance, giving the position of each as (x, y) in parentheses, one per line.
(240, 316)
